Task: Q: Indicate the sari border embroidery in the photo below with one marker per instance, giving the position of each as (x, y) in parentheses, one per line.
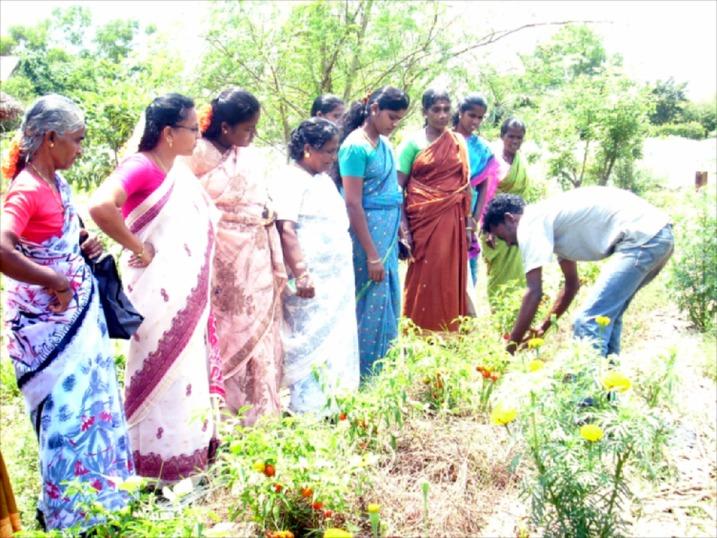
(151, 213)
(175, 467)
(173, 340)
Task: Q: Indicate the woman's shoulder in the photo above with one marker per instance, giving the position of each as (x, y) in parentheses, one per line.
(356, 141)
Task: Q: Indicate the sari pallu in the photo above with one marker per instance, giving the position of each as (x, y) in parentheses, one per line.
(168, 405)
(65, 370)
(248, 278)
(437, 202)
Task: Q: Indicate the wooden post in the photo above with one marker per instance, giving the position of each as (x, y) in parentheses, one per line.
(700, 180)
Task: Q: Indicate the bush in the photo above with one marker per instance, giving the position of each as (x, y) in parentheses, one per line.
(694, 275)
(691, 129)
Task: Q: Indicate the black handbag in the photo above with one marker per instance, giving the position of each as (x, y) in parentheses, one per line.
(122, 318)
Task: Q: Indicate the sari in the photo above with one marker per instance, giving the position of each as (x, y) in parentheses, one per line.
(248, 277)
(503, 262)
(66, 371)
(437, 202)
(321, 352)
(9, 516)
(377, 303)
(480, 156)
(169, 379)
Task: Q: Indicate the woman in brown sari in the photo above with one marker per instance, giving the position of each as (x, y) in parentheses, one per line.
(433, 167)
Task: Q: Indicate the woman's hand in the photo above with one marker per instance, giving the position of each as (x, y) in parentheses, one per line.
(406, 239)
(305, 286)
(144, 258)
(376, 272)
(62, 294)
(90, 244)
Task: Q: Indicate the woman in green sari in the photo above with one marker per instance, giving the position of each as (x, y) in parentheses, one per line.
(503, 263)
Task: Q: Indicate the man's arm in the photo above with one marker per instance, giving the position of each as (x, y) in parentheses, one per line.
(567, 293)
(531, 300)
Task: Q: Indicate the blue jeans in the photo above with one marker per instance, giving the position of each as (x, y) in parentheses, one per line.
(626, 272)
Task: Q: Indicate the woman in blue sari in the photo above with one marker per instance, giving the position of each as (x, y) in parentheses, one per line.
(467, 120)
(56, 331)
(373, 200)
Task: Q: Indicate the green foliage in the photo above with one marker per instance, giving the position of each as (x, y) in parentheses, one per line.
(703, 113)
(670, 100)
(98, 69)
(578, 482)
(694, 271)
(692, 130)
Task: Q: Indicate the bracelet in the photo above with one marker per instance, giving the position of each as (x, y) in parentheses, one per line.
(377, 260)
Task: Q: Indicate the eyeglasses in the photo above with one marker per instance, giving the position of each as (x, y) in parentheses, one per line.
(193, 129)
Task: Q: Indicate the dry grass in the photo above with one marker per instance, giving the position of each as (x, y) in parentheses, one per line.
(466, 465)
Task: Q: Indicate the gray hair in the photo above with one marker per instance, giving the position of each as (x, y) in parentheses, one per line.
(49, 113)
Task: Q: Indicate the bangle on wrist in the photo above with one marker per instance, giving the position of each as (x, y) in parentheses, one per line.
(377, 260)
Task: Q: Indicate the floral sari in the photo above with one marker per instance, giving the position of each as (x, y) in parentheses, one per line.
(66, 371)
(319, 334)
(248, 277)
(168, 380)
(437, 203)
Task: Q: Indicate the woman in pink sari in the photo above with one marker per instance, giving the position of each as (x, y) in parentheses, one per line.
(249, 273)
(169, 233)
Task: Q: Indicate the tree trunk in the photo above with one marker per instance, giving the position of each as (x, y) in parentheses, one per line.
(365, 10)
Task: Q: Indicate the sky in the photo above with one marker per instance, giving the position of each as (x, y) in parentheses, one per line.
(657, 39)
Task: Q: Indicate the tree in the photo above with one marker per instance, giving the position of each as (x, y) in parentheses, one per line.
(669, 101)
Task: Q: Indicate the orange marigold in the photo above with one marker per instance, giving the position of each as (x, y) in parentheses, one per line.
(205, 117)
(11, 160)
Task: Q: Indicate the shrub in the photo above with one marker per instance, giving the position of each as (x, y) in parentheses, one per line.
(690, 129)
(694, 273)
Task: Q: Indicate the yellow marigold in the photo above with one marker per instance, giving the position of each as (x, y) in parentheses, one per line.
(616, 381)
(373, 508)
(337, 533)
(259, 466)
(602, 321)
(535, 365)
(503, 414)
(535, 343)
(591, 432)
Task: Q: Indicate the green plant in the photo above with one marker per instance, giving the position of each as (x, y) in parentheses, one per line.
(694, 271)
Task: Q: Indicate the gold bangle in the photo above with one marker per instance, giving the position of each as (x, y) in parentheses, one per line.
(377, 260)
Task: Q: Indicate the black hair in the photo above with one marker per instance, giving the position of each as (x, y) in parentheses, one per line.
(387, 98)
(511, 123)
(315, 132)
(469, 101)
(430, 96)
(232, 106)
(499, 206)
(325, 104)
(167, 110)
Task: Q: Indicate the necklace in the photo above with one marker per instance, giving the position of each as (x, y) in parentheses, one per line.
(50, 183)
(370, 140)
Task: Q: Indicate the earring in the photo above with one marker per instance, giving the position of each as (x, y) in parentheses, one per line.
(170, 142)
(225, 131)
(307, 155)
(52, 144)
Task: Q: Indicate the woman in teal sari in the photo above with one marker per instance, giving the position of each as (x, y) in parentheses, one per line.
(373, 200)
(466, 121)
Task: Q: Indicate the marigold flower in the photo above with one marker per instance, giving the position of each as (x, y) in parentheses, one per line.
(495, 376)
(269, 470)
(205, 117)
(616, 381)
(317, 505)
(535, 343)
(535, 365)
(278, 487)
(503, 414)
(327, 514)
(342, 416)
(259, 466)
(373, 508)
(602, 321)
(485, 374)
(11, 160)
(591, 432)
(306, 492)
(337, 533)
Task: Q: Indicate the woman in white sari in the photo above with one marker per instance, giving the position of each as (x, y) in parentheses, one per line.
(172, 364)
(321, 358)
